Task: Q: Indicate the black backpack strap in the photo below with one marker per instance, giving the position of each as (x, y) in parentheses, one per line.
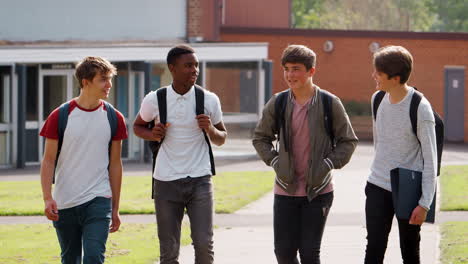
(162, 104)
(377, 100)
(439, 126)
(327, 98)
(162, 107)
(199, 110)
(62, 125)
(415, 101)
(280, 109)
(112, 118)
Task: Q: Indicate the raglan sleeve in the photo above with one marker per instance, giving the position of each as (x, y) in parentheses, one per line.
(265, 133)
(427, 137)
(346, 140)
(122, 132)
(50, 127)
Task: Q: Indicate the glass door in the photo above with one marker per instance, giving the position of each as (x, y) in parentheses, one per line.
(136, 94)
(55, 88)
(5, 122)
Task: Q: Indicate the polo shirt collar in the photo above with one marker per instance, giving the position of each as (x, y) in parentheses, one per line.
(172, 93)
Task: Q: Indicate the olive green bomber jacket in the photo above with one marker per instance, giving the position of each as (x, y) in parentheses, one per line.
(323, 158)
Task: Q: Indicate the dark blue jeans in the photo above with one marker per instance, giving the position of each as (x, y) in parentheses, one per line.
(84, 228)
(379, 217)
(298, 226)
(174, 197)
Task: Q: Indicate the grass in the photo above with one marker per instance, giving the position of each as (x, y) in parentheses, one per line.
(454, 243)
(454, 183)
(38, 244)
(232, 191)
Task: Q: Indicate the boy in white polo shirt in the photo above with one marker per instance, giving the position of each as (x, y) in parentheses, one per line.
(88, 171)
(183, 169)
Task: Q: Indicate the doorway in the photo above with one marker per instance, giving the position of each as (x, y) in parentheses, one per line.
(454, 104)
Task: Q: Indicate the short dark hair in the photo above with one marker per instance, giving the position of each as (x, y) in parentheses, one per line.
(394, 61)
(299, 54)
(88, 67)
(177, 51)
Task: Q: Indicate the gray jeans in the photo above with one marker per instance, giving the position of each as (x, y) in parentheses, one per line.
(171, 199)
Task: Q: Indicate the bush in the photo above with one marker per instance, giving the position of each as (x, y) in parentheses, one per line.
(357, 108)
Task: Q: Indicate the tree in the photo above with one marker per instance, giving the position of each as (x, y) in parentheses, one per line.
(398, 15)
(452, 15)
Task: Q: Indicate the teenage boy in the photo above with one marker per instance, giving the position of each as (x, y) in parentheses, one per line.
(183, 169)
(396, 146)
(88, 172)
(305, 158)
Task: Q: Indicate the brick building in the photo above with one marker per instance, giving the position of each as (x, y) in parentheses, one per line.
(344, 65)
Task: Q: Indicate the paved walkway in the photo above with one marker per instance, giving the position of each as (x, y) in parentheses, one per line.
(247, 235)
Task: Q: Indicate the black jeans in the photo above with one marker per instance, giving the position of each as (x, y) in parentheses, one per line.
(173, 197)
(379, 216)
(298, 226)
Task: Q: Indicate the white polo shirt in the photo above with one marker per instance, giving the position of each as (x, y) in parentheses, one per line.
(184, 151)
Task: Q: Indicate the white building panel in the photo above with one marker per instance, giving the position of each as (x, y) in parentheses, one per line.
(91, 20)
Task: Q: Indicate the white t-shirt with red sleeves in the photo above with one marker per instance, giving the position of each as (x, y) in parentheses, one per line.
(183, 151)
(81, 173)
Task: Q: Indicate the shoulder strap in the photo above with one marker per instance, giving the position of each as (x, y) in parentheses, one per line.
(328, 114)
(377, 100)
(199, 110)
(62, 125)
(200, 100)
(280, 109)
(162, 104)
(154, 145)
(112, 118)
(415, 101)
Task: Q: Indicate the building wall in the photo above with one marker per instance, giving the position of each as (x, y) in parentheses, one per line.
(225, 83)
(57, 20)
(258, 13)
(203, 20)
(346, 71)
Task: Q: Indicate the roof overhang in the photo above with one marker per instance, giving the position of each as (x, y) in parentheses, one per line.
(120, 53)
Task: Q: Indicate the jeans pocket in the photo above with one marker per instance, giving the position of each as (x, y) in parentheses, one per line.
(204, 185)
(366, 189)
(325, 211)
(100, 207)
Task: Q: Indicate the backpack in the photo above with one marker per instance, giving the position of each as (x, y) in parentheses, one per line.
(63, 120)
(162, 105)
(280, 109)
(415, 100)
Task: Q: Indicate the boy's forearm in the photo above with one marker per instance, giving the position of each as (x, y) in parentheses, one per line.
(216, 136)
(115, 179)
(142, 131)
(47, 174)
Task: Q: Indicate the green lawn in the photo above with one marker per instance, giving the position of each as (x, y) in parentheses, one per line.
(37, 244)
(232, 191)
(454, 186)
(454, 243)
